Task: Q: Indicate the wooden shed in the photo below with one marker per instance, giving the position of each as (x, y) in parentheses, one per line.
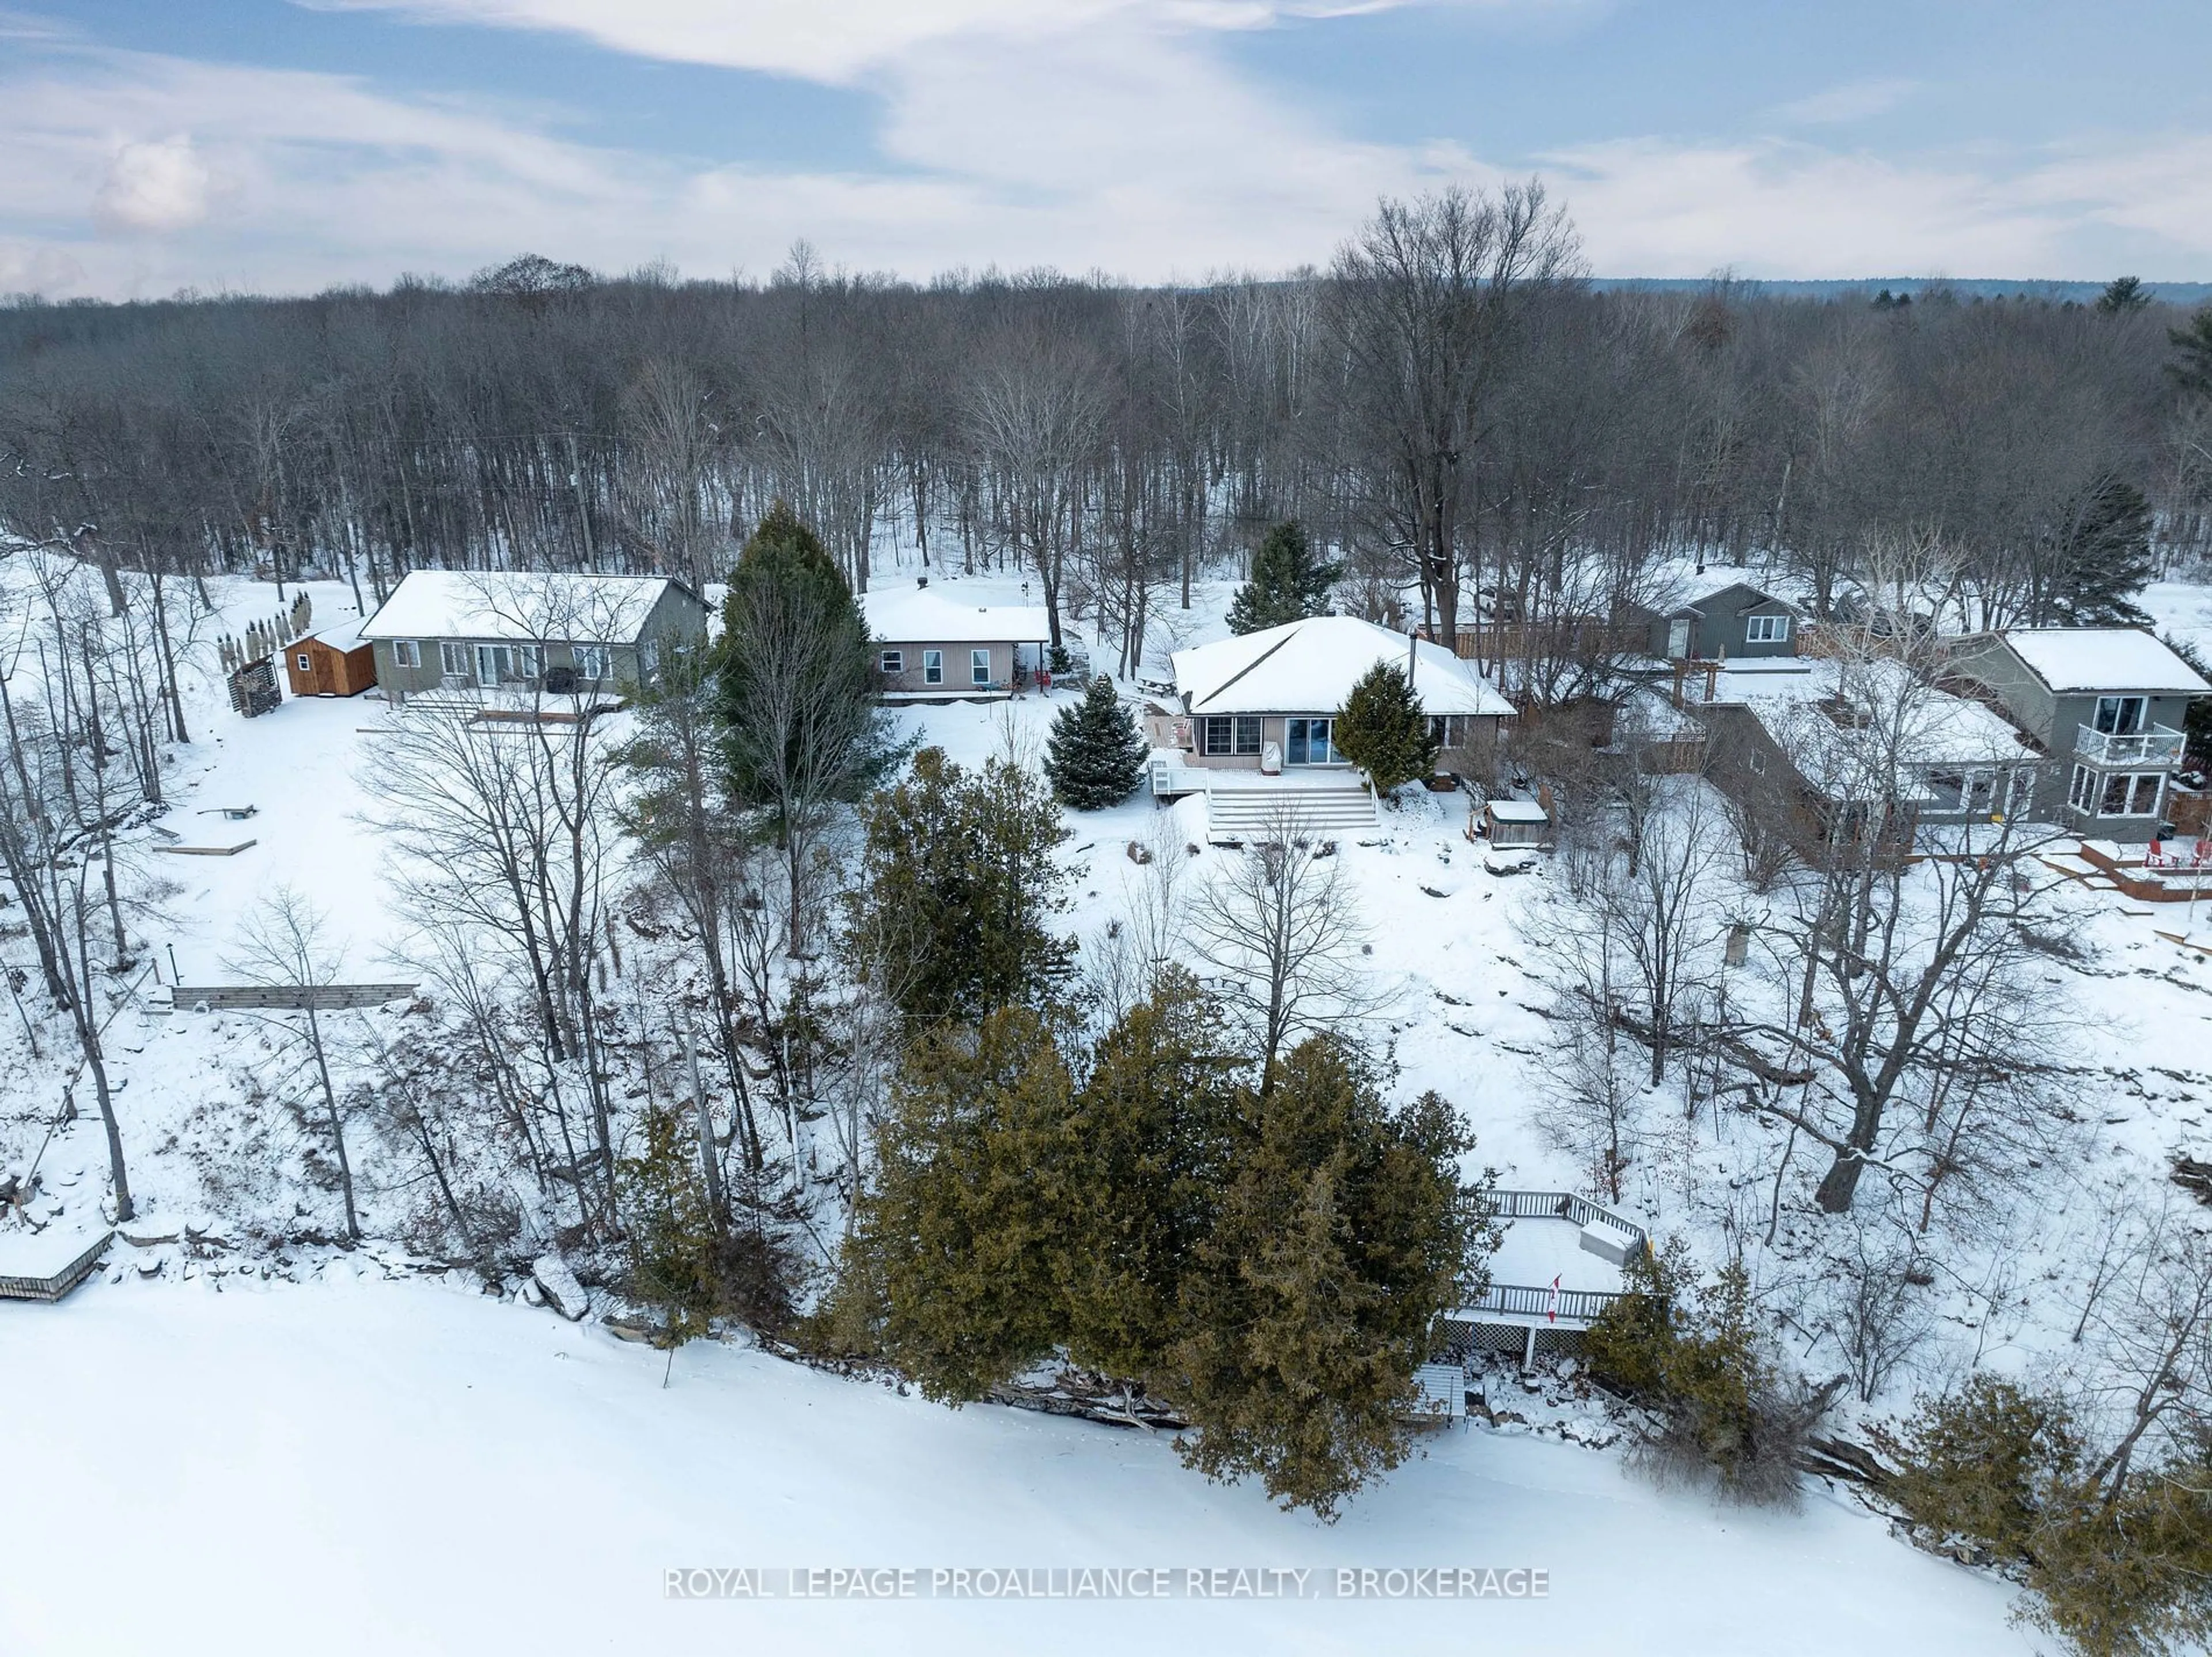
(333, 661)
(1517, 823)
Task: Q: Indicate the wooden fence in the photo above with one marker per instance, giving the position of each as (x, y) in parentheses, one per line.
(53, 1288)
(288, 997)
(1579, 638)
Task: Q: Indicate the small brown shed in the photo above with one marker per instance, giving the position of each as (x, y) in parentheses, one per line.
(334, 661)
(1517, 823)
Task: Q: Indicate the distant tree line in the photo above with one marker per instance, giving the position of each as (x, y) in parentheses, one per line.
(1455, 414)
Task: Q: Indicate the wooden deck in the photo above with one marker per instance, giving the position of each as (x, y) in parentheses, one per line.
(53, 1285)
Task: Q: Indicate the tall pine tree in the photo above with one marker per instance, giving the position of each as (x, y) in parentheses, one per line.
(1288, 583)
(801, 729)
(1096, 754)
(2101, 560)
(2192, 368)
(957, 891)
(1344, 1230)
(1152, 1136)
(1383, 731)
(962, 1238)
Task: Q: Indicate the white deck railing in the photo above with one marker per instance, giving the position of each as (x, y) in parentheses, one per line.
(2160, 745)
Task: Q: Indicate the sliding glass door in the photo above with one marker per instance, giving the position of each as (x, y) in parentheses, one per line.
(1306, 742)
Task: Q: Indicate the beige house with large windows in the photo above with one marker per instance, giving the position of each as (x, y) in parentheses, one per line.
(460, 632)
(1254, 730)
(930, 645)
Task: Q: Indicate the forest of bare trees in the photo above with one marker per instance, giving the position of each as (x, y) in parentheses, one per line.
(1480, 431)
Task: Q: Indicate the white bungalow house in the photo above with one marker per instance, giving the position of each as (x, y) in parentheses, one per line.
(1253, 727)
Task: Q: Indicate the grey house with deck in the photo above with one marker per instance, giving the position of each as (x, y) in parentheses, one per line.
(2105, 703)
(464, 632)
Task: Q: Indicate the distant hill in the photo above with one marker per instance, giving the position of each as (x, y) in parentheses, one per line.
(2187, 294)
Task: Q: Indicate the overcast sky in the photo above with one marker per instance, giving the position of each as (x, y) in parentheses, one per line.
(287, 145)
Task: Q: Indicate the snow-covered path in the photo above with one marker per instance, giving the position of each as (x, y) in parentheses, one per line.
(377, 1467)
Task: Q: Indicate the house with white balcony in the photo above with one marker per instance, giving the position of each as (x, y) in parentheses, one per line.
(2106, 704)
(1254, 724)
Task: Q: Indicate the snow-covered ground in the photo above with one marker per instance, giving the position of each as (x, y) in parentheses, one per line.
(402, 1466)
(228, 1468)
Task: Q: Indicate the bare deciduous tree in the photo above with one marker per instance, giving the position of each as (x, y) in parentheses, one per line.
(284, 945)
(1278, 921)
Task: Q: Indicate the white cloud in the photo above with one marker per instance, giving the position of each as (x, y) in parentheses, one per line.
(1103, 134)
(1854, 100)
(30, 270)
(829, 40)
(1793, 209)
(159, 186)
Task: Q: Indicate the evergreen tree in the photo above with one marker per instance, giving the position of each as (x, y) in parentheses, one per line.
(1382, 730)
(1152, 1136)
(2102, 559)
(2124, 296)
(2197, 718)
(797, 703)
(673, 1236)
(952, 914)
(1692, 1352)
(1096, 753)
(2117, 1561)
(962, 1237)
(1288, 583)
(2193, 368)
(1343, 1231)
(697, 1254)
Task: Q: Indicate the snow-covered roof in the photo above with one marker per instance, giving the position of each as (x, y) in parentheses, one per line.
(1310, 666)
(341, 636)
(2104, 659)
(1684, 587)
(931, 615)
(477, 604)
(1516, 811)
(1840, 724)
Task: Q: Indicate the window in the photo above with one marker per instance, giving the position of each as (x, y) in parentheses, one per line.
(2020, 790)
(648, 656)
(2131, 794)
(2120, 715)
(933, 666)
(1766, 630)
(406, 653)
(307, 663)
(892, 661)
(529, 661)
(1233, 735)
(494, 663)
(2081, 788)
(591, 660)
(453, 659)
(1757, 761)
(979, 667)
(1306, 742)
